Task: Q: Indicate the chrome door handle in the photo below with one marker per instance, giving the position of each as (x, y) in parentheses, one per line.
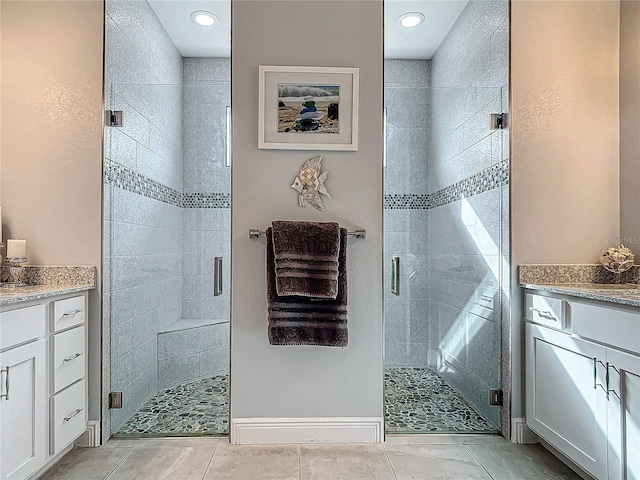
(7, 383)
(71, 313)
(395, 275)
(217, 276)
(72, 357)
(76, 412)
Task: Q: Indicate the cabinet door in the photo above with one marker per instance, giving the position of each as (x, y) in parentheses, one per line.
(566, 401)
(624, 415)
(22, 415)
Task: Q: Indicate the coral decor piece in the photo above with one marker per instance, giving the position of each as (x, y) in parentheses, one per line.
(309, 183)
(617, 259)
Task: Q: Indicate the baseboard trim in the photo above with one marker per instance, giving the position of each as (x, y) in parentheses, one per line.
(246, 431)
(521, 433)
(91, 437)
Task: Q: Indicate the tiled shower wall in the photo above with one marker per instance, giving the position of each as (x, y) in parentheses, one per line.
(201, 348)
(143, 217)
(406, 90)
(207, 186)
(468, 231)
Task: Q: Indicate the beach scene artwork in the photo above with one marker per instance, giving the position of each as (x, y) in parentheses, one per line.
(305, 108)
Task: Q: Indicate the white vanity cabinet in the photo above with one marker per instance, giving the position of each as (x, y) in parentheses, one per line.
(583, 382)
(43, 397)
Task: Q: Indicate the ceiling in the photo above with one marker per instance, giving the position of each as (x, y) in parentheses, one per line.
(419, 42)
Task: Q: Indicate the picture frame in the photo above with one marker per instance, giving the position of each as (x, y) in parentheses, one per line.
(308, 108)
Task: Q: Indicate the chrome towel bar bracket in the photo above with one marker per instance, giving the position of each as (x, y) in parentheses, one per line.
(358, 233)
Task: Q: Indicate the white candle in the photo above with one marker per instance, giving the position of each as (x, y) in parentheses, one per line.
(16, 248)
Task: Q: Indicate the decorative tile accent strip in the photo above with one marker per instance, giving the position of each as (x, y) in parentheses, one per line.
(127, 179)
(568, 274)
(52, 275)
(206, 200)
(493, 177)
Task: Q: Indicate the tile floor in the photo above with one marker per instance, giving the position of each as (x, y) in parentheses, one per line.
(463, 457)
(418, 400)
(194, 408)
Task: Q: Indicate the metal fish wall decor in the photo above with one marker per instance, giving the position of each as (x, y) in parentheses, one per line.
(309, 183)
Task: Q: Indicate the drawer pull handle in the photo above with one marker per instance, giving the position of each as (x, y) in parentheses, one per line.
(7, 384)
(72, 357)
(76, 412)
(544, 313)
(486, 298)
(72, 313)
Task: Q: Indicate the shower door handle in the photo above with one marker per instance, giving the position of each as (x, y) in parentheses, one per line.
(395, 275)
(217, 276)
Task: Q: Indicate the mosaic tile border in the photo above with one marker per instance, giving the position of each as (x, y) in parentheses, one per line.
(206, 200)
(127, 179)
(493, 177)
(570, 274)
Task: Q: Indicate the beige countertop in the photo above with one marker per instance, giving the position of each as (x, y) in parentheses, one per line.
(45, 281)
(12, 295)
(625, 294)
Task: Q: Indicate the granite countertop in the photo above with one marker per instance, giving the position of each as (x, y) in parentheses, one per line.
(621, 294)
(46, 281)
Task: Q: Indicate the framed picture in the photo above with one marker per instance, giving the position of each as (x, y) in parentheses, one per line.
(308, 108)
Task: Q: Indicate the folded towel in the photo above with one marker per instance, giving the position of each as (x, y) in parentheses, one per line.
(298, 320)
(306, 258)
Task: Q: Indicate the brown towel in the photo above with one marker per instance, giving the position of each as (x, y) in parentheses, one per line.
(297, 320)
(306, 258)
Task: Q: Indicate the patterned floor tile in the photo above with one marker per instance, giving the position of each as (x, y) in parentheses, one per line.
(195, 408)
(418, 400)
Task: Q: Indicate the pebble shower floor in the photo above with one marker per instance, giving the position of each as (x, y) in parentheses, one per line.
(417, 400)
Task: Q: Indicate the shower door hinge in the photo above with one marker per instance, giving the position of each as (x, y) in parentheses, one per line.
(113, 118)
(495, 397)
(115, 400)
(499, 121)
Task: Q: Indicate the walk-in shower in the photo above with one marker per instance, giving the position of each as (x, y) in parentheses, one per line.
(446, 217)
(167, 221)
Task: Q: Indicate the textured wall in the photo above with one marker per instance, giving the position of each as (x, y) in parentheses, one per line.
(565, 143)
(306, 381)
(198, 350)
(407, 98)
(51, 141)
(467, 165)
(206, 223)
(143, 214)
(630, 124)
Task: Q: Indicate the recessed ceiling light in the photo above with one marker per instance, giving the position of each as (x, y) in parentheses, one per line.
(411, 19)
(204, 18)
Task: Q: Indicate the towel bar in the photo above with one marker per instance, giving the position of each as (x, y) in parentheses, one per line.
(358, 233)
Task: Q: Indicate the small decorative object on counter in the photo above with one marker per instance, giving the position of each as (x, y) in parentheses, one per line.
(16, 254)
(309, 183)
(617, 259)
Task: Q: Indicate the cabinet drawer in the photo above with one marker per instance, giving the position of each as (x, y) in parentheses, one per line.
(21, 325)
(608, 325)
(68, 312)
(68, 358)
(546, 311)
(68, 416)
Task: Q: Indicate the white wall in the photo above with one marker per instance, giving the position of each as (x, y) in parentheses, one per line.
(564, 147)
(51, 140)
(630, 124)
(277, 382)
